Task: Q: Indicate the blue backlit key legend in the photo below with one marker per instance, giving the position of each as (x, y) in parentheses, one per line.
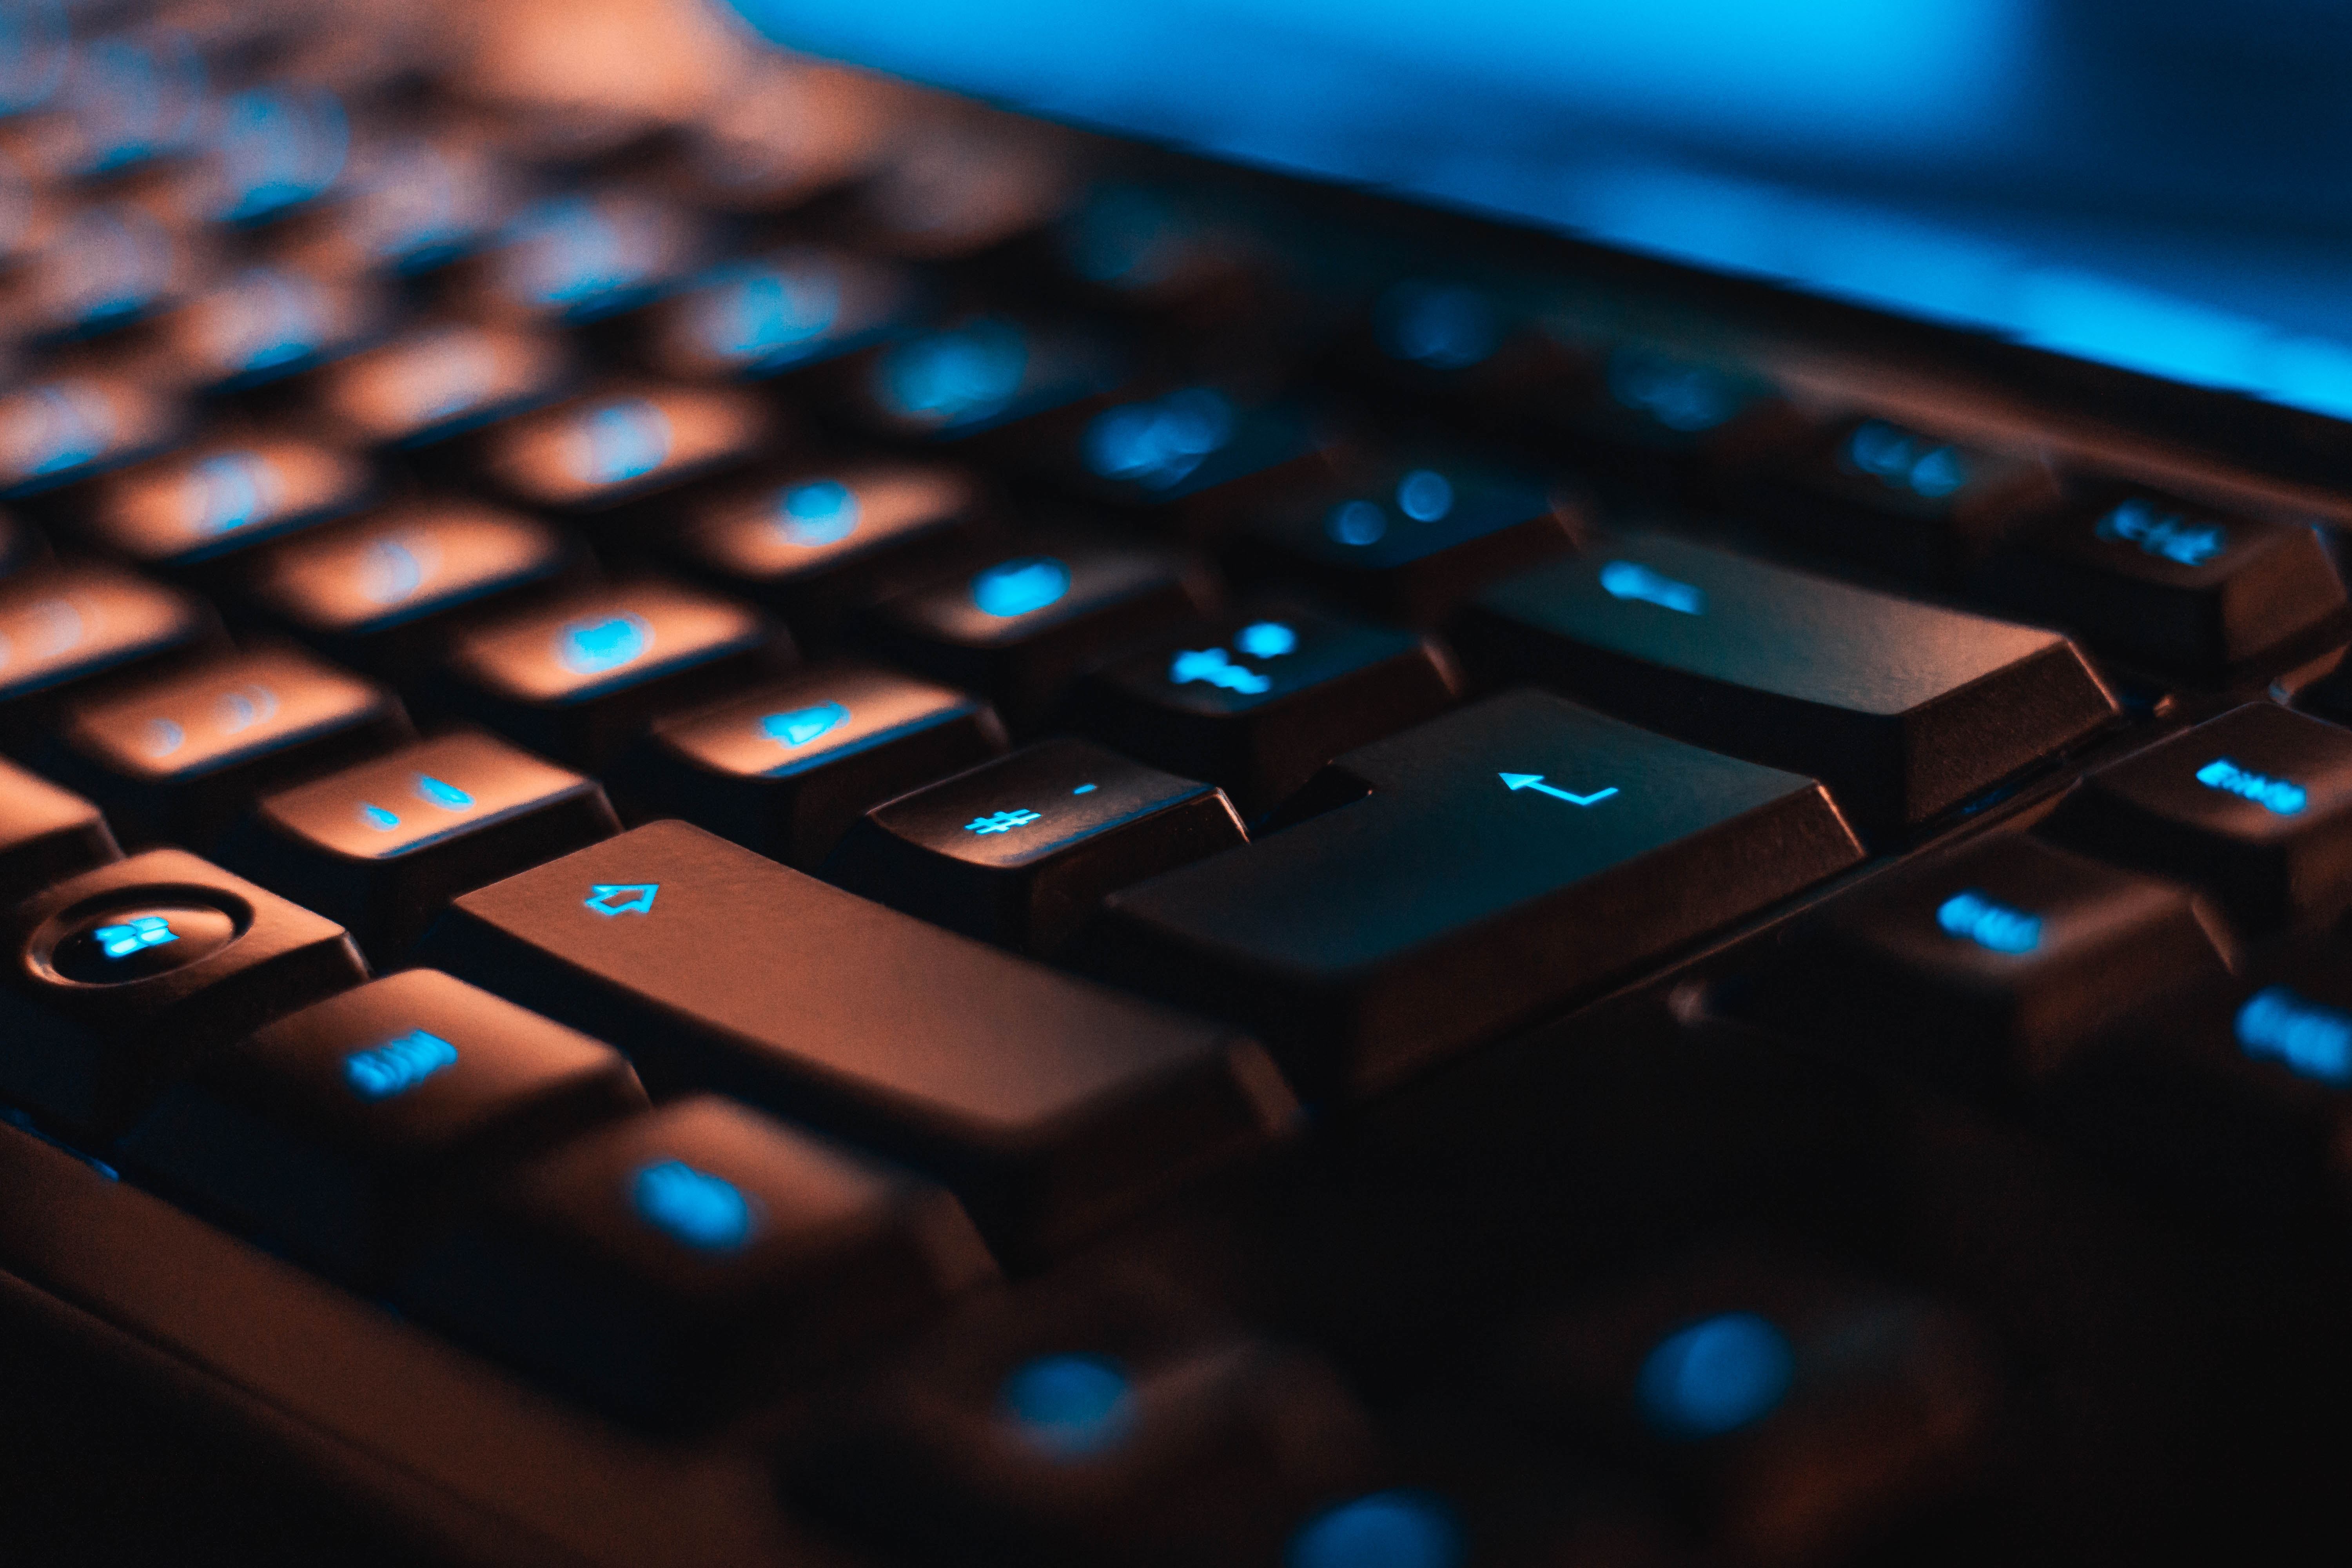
(622, 898)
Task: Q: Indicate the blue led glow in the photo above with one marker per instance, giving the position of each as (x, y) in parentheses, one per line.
(1000, 822)
(802, 725)
(1442, 326)
(1678, 394)
(1425, 496)
(1215, 667)
(1084, 789)
(952, 376)
(1070, 1406)
(267, 319)
(377, 817)
(568, 251)
(1715, 1376)
(1630, 580)
(1159, 444)
(594, 645)
(822, 512)
(1386, 1530)
(705, 1212)
(2309, 1039)
(1357, 522)
(135, 935)
(397, 1066)
(393, 567)
(1972, 917)
(769, 313)
(1903, 461)
(57, 428)
(1267, 639)
(164, 736)
(618, 441)
(278, 146)
(448, 796)
(2275, 796)
(240, 709)
(229, 492)
(622, 897)
(1516, 781)
(1020, 587)
(131, 100)
(2172, 538)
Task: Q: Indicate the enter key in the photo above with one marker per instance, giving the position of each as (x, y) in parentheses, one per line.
(1483, 869)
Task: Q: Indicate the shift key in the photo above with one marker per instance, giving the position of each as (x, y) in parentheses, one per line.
(1048, 1104)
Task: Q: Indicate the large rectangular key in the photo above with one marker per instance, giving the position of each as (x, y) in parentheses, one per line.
(1047, 1103)
(1494, 864)
(1905, 710)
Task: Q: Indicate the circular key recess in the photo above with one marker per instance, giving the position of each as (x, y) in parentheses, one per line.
(136, 940)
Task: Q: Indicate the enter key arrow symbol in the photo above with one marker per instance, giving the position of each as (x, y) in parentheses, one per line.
(1516, 782)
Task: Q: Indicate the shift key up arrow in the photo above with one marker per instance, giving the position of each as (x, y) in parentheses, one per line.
(1516, 781)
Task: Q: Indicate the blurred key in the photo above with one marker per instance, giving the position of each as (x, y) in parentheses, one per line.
(987, 387)
(1979, 971)
(1191, 463)
(407, 204)
(262, 325)
(1161, 247)
(46, 834)
(1022, 630)
(1478, 344)
(435, 382)
(334, 1132)
(793, 127)
(2254, 806)
(593, 455)
(222, 495)
(271, 148)
(384, 846)
(2167, 583)
(1875, 491)
(785, 769)
(1256, 703)
(960, 179)
(1671, 417)
(1488, 866)
(387, 590)
(1050, 1105)
(1020, 851)
(777, 315)
(129, 973)
(63, 625)
(693, 1259)
(128, 97)
(581, 678)
(578, 256)
(1414, 541)
(60, 430)
(102, 267)
(821, 544)
(1904, 709)
(177, 757)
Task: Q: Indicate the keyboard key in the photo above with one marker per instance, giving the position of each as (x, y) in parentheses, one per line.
(987, 387)
(179, 756)
(694, 1258)
(784, 770)
(1981, 970)
(581, 256)
(1904, 709)
(61, 430)
(441, 379)
(387, 590)
(1489, 867)
(819, 545)
(794, 128)
(46, 835)
(408, 205)
(222, 496)
(333, 1133)
(273, 148)
(383, 847)
(1413, 542)
(1672, 418)
(263, 324)
(61, 626)
(2164, 582)
(129, 973)
(1882, 493)
(1020, 851)
(958, 184)
(596, 453)
(581, 677)
(1256, 703)
(1049, 1105)
(2254, 806)
(106, 266)
(1022, 630)
(777, 315)
(1190, 463)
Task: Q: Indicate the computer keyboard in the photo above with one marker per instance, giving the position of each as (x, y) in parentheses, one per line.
(839, 832)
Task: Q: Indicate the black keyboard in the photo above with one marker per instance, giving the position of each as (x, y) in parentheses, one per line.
(830, 832)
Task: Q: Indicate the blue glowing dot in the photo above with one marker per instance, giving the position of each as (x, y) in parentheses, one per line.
(705, 1212)
(604, 643)
(230, 492)
(164, 736)
(1681, 397)
(768, 313)
(397, 1066)
(1630, 580)
(622, 898)
(1215, 667)
(823, 511)
(2174, 539)
(391, 569)
(375, 816)
(1001, 822)
(1424, 496)
(616, 442)
(1267, 639)
(802, 725)
(952, 376)
(1938, 474)
(278, 146)
(1071, 1407)
(568, 251)
(448, 796)
(2313, 1041)
(1715, 1377)
(2277, 797)
(1020, 587)
(135, 935)
(1084, 789)
(1159, 444)
(1901, 461)
(1357, 522)
(1974, 918)
(1444, 327)
(1386, 1530)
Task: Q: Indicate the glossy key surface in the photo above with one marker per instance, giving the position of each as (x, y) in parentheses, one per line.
(777, 314)
(46, 834)
(427, 385)
(1904, 709)
(223, 496)
(987, 385)
(1484, 867)
(598, 452)
(64, 428)
(1021, 850)
(1048, 1104)
(332, 1131)
(64, 625)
